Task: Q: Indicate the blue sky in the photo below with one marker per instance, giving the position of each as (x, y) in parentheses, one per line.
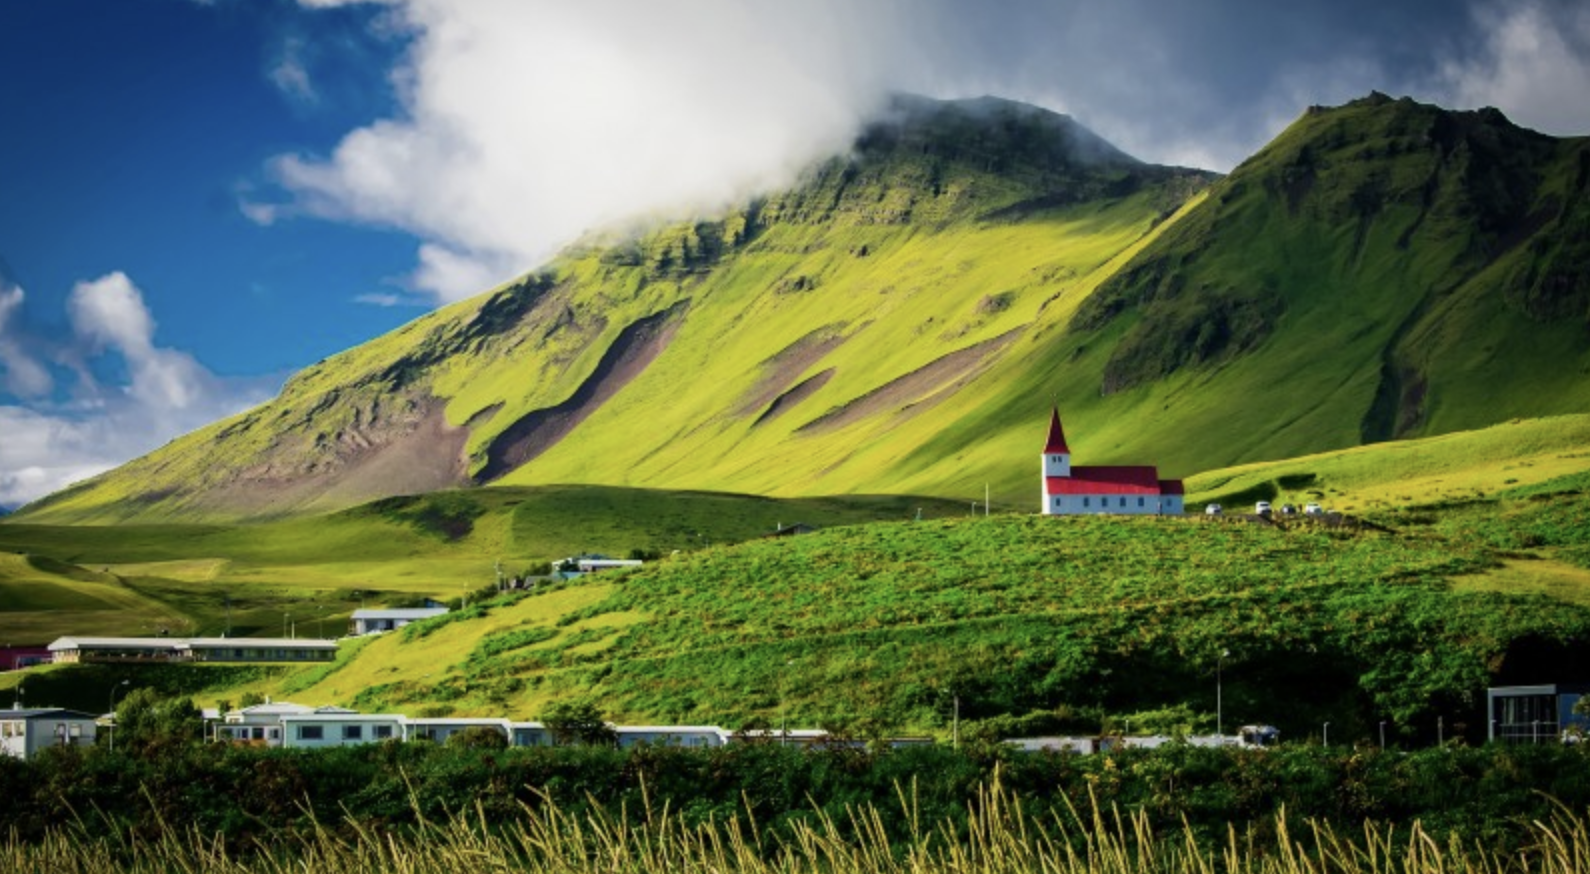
(198, 198)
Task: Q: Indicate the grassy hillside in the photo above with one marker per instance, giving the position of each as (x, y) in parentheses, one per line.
(1087, 619)
(1452, 467)
(1472, 566)
(312, 572)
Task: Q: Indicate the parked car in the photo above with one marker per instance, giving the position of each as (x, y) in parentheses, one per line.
(1312, 509)
(1262, 508)
(1288, 510)
(1213, 510)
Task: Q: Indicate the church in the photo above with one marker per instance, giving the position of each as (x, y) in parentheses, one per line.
(1071, 490)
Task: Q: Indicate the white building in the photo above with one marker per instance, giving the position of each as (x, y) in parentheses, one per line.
(1075, 490)
(439, 729)
(671, 735)
(255, 649)
(261, 724)
(320, 730)
(153, 650)
(529, 734)
(372, 621)
(23, 733)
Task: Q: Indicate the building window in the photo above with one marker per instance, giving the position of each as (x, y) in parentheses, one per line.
(311, 732)
(1085, 501)
(381, 732)
(1140, 502)
(353, 732)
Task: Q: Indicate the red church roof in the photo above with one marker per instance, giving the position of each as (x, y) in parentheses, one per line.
(1057, 437)
(1111, 480)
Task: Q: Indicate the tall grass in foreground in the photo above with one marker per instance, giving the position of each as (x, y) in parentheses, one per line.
(999, 838)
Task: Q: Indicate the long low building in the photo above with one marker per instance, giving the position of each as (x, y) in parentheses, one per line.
(155, 650)
(283, 724)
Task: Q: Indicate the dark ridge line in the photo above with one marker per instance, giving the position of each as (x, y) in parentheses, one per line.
(635, 348)
(800, 392)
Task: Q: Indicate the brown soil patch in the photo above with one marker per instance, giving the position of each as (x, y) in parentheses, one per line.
(781, 369)
(918, 389)
(636, 347)
(407, 450)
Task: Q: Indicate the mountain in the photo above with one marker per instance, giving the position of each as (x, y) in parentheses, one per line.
(1382, 270)
(901, 319)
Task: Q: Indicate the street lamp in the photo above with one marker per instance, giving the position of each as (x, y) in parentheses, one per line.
(1325, 735)
(1220, 725)
(1382, 734)
(111, 708)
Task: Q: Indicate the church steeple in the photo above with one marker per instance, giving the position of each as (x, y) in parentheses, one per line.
(1056, 455)
(1057, 436)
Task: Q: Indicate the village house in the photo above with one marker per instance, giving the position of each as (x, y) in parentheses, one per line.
(23, 733)
(1536, 714)
(1070, 490)
(377, 620)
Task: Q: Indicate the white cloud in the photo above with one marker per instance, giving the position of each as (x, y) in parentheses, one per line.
(384, 299)
(1533, 66)
(19, 373)
(528, 123)
(88, 427)
(290, 73)
(523, 124)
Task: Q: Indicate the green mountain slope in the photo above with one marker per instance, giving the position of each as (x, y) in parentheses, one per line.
(1382, 270)
(901, 320)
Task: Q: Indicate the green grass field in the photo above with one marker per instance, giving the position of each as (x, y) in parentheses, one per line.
(1475, 555)
(310, 573)
(1451, 467)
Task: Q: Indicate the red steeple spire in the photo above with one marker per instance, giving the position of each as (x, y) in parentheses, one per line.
(1057, 437)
